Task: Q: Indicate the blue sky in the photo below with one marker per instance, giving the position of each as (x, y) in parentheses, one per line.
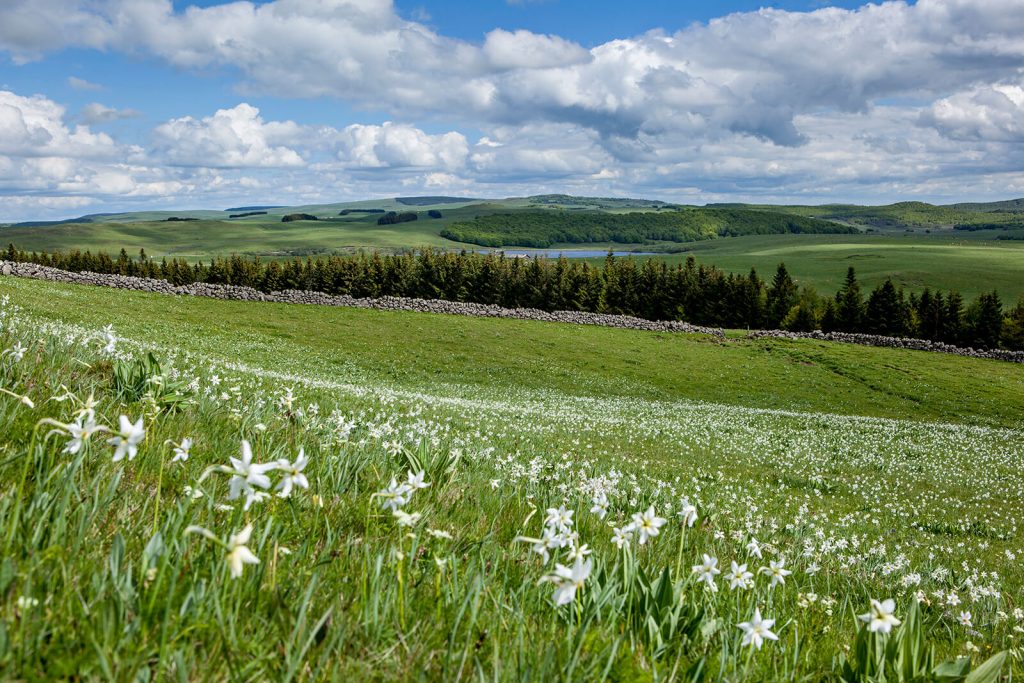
(113, 104)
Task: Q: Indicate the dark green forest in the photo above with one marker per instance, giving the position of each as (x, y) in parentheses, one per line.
(650, 289)
(543, 229)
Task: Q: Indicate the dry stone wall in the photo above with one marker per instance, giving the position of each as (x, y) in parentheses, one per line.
(392, 303)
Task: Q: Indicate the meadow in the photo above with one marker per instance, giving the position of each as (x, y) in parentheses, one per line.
(965, 262)
(298, 493)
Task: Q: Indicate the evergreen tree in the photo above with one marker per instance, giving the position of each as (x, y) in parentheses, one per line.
(849, 306)
(1013, 328)
(985, 321)
(884, 313)
(782, 297)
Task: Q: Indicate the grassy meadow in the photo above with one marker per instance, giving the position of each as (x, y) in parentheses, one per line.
(431, 497)
(960, 261)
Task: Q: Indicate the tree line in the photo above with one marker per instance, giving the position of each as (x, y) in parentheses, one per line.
(542, 229)
(651, 289)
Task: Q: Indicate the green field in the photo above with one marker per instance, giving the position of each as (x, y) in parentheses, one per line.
(868, 473)
(944, 262)
(929, 254)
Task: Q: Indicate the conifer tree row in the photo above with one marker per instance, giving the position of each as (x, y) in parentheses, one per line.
(650, 288)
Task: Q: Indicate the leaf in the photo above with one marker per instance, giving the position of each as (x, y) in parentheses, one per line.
(6, 574)
(990, 671)
(951, 671)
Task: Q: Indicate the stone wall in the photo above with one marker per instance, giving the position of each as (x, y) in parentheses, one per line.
(392, 303)
(387, 303)
(892, 342)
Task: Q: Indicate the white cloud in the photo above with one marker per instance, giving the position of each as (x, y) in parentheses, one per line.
(749, 73)
(399, 146)
(887, 100)
(526, 50)
(34, 126)
(231, 138)
(991, 112)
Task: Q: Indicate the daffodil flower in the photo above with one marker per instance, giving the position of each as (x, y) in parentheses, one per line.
(756, 631)
(647, 524)
(880, 619)
(128, 439)
(570, 580)
(293, 475)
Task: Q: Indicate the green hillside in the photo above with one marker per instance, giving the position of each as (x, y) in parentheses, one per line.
(819, 468)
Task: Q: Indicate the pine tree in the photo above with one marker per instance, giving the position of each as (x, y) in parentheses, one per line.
(985, 321)
(849, 306)
(1013, 328)
(782, 297)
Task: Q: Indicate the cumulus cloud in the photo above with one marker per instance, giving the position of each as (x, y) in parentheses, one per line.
(749, 73)
(399, 146)
(231, 138)
(991, 112)
(526, 50)
(886, 100)
(34, 127)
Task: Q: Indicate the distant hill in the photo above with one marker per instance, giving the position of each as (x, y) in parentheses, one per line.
(428, 201)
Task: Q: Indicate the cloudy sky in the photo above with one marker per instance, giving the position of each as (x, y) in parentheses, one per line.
(123, 104)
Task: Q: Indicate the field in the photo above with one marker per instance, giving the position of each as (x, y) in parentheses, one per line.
(847, 473)
(970, 261)
(971, 266)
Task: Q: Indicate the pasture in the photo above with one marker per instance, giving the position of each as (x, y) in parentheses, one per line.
(458, 498)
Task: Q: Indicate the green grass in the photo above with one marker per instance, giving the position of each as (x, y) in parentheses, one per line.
(481, 353)
(971, 266)
(105, 575)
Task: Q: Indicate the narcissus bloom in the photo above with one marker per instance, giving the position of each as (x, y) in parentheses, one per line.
(880, 619)
(128, 439)
(757, 630)
(293, 475)
(570, 580)
(647, 524)
(238, 554)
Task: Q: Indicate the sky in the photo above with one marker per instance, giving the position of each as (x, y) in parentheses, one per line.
(111, 105)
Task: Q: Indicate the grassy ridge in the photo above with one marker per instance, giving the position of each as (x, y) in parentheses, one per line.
(362, 345)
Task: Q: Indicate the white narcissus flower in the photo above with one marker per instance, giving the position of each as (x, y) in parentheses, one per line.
(182, 450)
(965, 619)
(394, 496)
(621, 537)
(739, 577)
(415, 480)
(128, 438)
(238, 554)
(708, 571)
(600, 507)
(647, 524)
(16, 352)
(293, 475)
(559, 518)
(777, 571)
(80, 431)
(688, 513)
(570, 580)
(880, 619)
(248, 475)
(756, 631)
(754, 548)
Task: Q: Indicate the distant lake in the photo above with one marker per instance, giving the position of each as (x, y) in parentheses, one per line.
(567, 253)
